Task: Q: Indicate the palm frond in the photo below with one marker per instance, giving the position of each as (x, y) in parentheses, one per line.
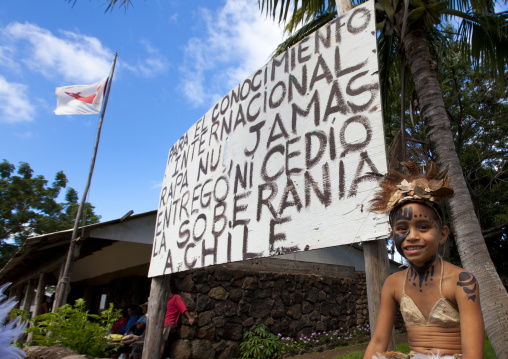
(304, 31)
(281, 9)
(484, 38)
(388, 65)
(111, 4)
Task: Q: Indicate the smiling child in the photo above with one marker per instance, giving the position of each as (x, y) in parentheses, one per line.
(439, 301)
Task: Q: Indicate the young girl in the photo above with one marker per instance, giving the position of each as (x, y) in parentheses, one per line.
(439, 301)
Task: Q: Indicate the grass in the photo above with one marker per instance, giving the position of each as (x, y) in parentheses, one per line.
(404, 348)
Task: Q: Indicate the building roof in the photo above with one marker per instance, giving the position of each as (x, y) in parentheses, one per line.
(47, 251)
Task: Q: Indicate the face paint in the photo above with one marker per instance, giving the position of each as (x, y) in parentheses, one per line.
(398, 239)
(468, 283)
(425, 267)
(424, 272)
(406, 214)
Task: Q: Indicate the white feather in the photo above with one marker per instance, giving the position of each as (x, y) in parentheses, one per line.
(9, 332)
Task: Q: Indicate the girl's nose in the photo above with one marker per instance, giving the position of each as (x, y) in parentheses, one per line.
(412, 235)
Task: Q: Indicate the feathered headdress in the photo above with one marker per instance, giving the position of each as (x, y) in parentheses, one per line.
(431, 187)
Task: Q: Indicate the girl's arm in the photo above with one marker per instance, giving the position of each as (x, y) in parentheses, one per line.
(385, 319)
(467, 294)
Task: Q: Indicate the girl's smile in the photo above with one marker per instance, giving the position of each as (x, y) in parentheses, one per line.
(417, 232)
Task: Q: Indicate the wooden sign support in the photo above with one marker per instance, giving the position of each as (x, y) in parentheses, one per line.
(376, 271)
(159, 293)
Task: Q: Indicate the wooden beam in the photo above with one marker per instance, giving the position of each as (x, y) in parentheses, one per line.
(62, 267)
(29, 295)
(376, 271)
(27, 302)
(41, 292)
(159, 293)
(64, 281)
(18, 294)
(46, 267)
(39, 297)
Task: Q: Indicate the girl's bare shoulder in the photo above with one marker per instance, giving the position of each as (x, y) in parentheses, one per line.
(454, 279)
(396, 277)
(452, 272)
(394, 283)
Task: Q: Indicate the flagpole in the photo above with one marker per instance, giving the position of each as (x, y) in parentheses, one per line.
(64, 280)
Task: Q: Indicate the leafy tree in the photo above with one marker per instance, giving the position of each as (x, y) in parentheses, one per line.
(406, 30)
(71, 206)
(477, 107)
(29, 206)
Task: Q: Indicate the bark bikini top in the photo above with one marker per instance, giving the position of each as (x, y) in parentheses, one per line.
(443, 314)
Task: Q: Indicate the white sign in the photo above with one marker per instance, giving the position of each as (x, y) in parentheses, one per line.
(285, 162)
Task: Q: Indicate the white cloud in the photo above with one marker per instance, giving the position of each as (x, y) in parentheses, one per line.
(24, 135)
(156, 185)
(7, 57)
(70, 57)
(238, 40)
(152, 65)
(173, 18)
(15, 104)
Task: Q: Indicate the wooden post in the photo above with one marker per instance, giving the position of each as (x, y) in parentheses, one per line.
(376, 271)
(343, 6)
(29, 295)
(18, 294)
(64, 282)
(39, 297)
(60, 274)
(159, 292)
(41, 291)
(27, 303)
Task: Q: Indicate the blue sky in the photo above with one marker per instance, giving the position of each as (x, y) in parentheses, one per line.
(175, 60)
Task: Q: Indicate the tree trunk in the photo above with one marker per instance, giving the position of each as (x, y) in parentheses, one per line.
(466, 228)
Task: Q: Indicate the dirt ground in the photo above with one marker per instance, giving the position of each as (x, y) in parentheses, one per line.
(330, 354)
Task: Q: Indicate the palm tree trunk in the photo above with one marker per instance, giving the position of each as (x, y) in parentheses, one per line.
(470, 242)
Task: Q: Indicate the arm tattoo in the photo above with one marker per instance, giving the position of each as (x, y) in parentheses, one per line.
(469, 284)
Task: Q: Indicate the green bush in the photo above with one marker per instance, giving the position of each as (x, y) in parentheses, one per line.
(260, 344)
(74, 328)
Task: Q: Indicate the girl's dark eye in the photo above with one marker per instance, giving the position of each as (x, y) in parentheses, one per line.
(424, 226)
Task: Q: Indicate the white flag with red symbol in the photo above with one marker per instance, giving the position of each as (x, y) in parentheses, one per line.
(80, 99)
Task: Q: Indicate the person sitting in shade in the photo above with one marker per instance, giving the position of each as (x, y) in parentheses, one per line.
(132, 312)
(121, 322)
(138, 328)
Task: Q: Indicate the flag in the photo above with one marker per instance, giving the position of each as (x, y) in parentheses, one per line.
(80, 99)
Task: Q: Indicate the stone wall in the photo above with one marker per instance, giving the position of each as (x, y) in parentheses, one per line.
(362, 303)
(229, 300)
